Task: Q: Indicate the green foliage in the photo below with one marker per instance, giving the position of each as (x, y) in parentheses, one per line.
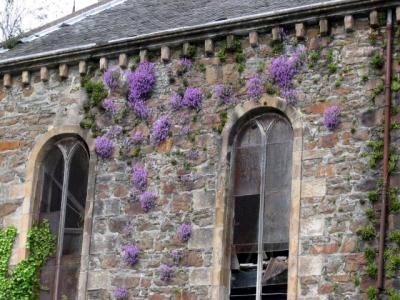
(202, 68)
(392, 264)
(332, 67)
(270, 88)
(376, 154)
(367, 233)
(370, 214)
(372, 293)
(221, 54)
(373, 196)
(395, 236)
(223, 118)
(96, 90)
(276, 47)
(338, 81)
(393, 294)
(11, 42)
(393, 158)
(261, 67)
(364, 78)
(329, 56)
(394, 202)
(377, 60)
(23, 282)
(335, 286)
(371, 269)
(369, 254)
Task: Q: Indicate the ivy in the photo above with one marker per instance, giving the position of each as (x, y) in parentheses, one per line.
(372, 293)
(367, 233)
(96, 90)
(377, 60)
(23, 282)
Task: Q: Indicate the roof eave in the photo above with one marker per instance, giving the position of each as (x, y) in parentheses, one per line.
(197, 32)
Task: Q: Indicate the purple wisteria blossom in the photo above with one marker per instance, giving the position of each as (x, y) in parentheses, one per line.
(141, 82)
(290, 95)
(255, 87)
(160, 130)
(147, 200)
(166, 272)
(138, 137)
(111, 77)
(183, 66)
(121, 294)
(131, 254)
(225, 94)
(185, 129)
(184, 232)
(114, 131)
(139, 177)
(332, 117)
(110, 106)
(192, 98)
(104, 146)
(176, 256)
(176, 101)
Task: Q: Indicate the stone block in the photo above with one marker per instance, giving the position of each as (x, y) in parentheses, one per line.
(349, 23)
(300, 31)
(213, 74)
(165, 54)
(143, 55)
(276, 35)
(323, 27)
(312, 227)
(253, 39)
(82, 67)
(201, 238)
(230, 42)
(97, 280)
(123, 60)
(7, 80)
(373, 19)
(203, 199)
(230, 73)
(209, 47)
(63, 70)
(25, 77)
(310, 265)
(6, 145)
(313, 188)
(103, 64)
(200, 276)
(44, 74)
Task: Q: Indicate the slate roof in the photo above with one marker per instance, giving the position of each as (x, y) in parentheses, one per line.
(130, 18)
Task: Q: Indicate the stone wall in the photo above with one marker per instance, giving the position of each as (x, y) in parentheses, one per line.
(335, 176)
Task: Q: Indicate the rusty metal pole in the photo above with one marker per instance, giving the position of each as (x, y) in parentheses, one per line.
(386, 150)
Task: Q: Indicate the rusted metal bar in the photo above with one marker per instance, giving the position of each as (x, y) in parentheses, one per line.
(386, 150)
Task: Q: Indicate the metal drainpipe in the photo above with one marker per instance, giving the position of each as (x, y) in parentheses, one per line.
(386, 150)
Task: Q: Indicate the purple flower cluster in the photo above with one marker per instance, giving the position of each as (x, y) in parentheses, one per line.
(111, 77)
(138, 137)
(176, 256)
(185, 129)
(131, 254)
(121, 293)
(110, 106)
(225, 94)
(160, 130)
(290, 94)
(255, 87)
(184, 65)
(166, 272)
(176, 101)
(332, 117)
(104, 146)
(282, 71)
(114, 131)
(184, 232)
(147, 200)
(139, 177)
(141, 82)
(192, 98)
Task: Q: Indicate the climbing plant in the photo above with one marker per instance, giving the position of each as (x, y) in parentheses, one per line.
(23, 282)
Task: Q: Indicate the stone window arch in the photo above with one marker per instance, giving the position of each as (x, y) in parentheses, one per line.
(61, 195)
(258, 135)
(60, 188)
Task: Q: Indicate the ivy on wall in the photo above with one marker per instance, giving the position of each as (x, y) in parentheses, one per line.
(23, 282)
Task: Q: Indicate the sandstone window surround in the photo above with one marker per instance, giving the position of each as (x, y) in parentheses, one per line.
(224, 236)
(62, 155)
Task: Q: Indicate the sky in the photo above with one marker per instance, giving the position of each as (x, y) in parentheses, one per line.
(52, 9)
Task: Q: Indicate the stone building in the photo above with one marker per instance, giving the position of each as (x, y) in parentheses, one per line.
(207, 149)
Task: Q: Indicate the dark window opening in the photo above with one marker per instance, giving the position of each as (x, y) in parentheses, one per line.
(262, 161)
(62, 187)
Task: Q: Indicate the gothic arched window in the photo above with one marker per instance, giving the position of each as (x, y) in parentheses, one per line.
(261, 189)
(61, 195)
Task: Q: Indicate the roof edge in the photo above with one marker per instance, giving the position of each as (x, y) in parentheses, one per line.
(196, 32)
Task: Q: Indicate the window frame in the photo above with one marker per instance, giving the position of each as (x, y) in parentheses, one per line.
(265, 133)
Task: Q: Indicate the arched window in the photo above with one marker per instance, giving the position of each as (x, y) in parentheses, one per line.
(261, 189)
(61, 197)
